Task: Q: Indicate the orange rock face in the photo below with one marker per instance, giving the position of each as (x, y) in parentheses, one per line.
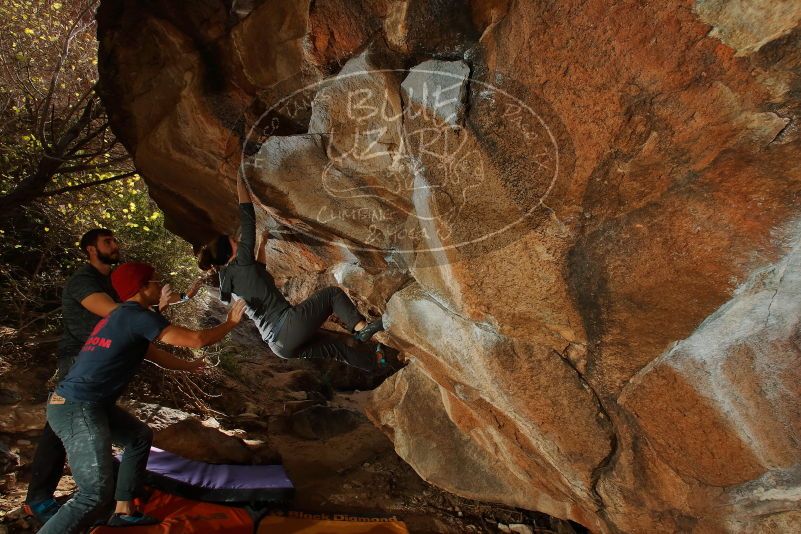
(580, 221)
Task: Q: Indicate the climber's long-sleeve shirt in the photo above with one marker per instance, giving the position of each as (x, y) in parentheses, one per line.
(248, 279)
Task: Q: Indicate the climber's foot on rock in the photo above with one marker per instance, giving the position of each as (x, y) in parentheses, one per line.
(386, 360)
(369, 330)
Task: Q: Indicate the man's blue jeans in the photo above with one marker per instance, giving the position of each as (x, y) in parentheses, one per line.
(87, 430)
(48, 460)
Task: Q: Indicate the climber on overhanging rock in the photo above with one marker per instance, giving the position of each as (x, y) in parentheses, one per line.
(290, 331)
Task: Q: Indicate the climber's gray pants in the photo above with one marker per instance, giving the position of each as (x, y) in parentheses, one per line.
(299, 336)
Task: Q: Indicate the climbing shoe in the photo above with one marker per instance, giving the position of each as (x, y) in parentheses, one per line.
(42, 510)
(380, 357)
(136, 520)
(368, 331)
(386, 359)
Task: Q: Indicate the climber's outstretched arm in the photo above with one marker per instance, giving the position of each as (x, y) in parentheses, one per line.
(245, 253)
(242, 190)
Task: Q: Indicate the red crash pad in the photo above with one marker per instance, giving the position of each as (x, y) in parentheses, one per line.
(184, 516)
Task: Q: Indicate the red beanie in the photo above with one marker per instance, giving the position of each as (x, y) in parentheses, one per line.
(129, 278)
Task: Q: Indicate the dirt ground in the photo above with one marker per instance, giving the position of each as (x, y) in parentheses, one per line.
(310, 415)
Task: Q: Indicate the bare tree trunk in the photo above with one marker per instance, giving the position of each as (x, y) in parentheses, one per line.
(34, 186)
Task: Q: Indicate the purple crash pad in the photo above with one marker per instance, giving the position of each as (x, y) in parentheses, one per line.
(217, 482)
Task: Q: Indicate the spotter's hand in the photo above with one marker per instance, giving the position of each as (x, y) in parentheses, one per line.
(198, 366)
(168, 296)
(236, 311)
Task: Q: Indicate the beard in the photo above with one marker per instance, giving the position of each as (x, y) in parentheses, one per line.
(109, 259)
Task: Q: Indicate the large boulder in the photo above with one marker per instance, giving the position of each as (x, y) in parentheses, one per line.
(22, 417)
(193, 439)
(578, 219)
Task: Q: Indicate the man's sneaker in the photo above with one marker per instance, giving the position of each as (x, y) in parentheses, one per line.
(42, 510)
(136, 520)
(368, 331)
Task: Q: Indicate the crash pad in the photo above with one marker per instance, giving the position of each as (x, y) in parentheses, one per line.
(217, 482)
(186, 516)
(297, 522)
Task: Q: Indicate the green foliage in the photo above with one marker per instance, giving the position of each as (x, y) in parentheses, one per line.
(48, 70)
(53, 129)
(39, 249)
(42, 43)
(63, 172)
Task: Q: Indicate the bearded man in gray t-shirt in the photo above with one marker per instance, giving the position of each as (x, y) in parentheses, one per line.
(87, 298)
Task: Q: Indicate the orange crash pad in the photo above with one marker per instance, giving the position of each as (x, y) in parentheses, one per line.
(185, 516)
(298, 522)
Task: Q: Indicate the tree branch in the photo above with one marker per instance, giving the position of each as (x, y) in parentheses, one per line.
(85, 185)
(74, 107)
(38, 318)
(89, 136)
(93, 166)
(73, 31)
(47, 166)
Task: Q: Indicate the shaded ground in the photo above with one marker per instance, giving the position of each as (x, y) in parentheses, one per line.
(337, 459)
